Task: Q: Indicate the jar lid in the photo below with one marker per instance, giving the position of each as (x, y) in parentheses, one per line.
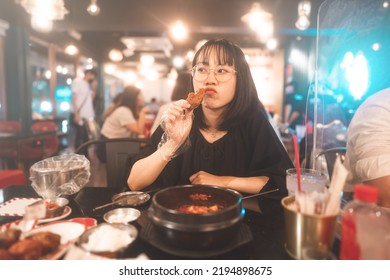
(366, 193)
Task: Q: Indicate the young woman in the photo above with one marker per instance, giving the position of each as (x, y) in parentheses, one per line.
(227, 141)
(125, 118)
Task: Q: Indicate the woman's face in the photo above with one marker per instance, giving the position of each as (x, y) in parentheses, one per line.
(218, 94)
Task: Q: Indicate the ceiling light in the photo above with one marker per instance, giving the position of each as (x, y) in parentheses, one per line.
(41, 24)
(302, 23)
(71, 49)
(50, 9)
(147, 60)
(115, 55)
(304, 8)
(259, 21)
(178, 62)
(93, 9)
(43, 12)
(272, 44)
(179, 31)
(128, 52)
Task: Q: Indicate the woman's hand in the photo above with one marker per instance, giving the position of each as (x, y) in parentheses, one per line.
(204, 178)
(145, 110)
(250, 185)
(177, 122)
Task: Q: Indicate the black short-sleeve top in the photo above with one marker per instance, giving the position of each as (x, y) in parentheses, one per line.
(248, 150)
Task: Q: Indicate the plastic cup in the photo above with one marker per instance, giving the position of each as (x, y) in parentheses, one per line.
(311, 180)
(303, 231)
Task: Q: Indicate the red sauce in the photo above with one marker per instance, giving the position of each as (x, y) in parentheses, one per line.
(199, 209)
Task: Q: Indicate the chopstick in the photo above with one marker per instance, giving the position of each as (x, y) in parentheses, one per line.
(259, 194)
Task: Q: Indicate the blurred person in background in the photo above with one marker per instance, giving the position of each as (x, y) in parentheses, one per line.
(153, 106)
(83, 94)
(182, 87)
(112, 105)
(227, 141)
(368, 145)
(295, 106)
(124, 119)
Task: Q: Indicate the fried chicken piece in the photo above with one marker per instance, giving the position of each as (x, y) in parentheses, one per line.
(27, 249)
(50, 241)
(9, 237)
(5, 255)
(195, 99)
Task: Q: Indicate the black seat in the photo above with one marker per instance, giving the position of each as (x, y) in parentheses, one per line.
(119, 154)
(330, 156)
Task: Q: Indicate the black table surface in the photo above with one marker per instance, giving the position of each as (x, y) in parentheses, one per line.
(263, 218)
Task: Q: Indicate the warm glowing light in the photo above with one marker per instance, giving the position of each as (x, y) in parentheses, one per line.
(147, 60)
(178, 62)
(304, 8)
(190, 55)
(47, 74)
(259, 21)
(272, 44)
(41, 24)
(43, 12)
(115, 55)
(302, 23)
(179, 31)
(130, 77)
(109, 69)
(93, 9)
(71, 49)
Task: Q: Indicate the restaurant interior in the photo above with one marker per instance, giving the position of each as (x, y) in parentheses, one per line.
(333, 52)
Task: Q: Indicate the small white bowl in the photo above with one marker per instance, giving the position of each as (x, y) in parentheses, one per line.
(122, 215)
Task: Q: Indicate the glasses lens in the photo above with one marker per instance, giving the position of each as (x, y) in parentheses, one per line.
(221, 74)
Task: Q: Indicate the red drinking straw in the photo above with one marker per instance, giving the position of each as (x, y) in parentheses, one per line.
(297, 165)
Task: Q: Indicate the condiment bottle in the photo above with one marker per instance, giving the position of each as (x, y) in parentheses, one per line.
(363, 227)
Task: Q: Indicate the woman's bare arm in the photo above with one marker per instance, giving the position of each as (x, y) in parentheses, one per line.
(250, 185)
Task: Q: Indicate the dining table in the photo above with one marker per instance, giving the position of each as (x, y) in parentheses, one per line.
(262, 236)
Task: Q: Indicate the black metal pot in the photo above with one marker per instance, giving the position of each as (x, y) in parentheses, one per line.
(196, 231)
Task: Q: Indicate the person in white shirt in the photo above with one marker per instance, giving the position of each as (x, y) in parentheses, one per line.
(126, 118)
(83, 95)
(368, 145)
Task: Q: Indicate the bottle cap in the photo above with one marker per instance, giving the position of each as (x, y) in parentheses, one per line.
(366, 193)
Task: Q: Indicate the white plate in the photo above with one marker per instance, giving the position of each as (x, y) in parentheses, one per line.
(69, 232)
(16, 206)
(66, 213)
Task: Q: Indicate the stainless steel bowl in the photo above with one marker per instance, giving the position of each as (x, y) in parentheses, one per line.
(131, 198)
(122, 215)
(60, 175)
(107, 240)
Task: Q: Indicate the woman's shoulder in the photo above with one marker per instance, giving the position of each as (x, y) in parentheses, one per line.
(123, 110)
